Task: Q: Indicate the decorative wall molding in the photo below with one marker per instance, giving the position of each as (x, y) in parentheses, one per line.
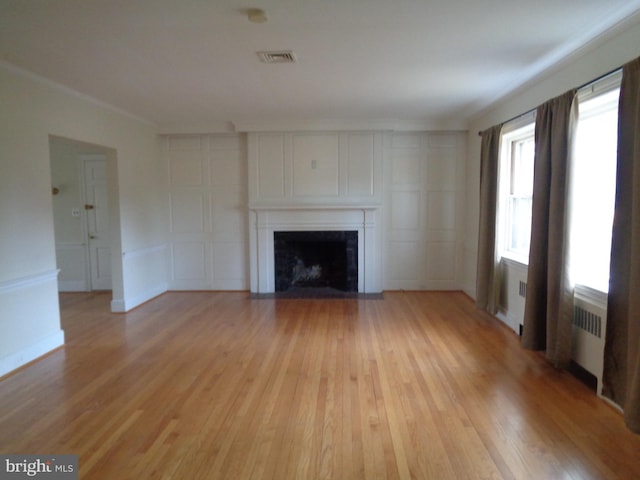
(354, 124)
(28, 303)
(29, 281)
(74, 93)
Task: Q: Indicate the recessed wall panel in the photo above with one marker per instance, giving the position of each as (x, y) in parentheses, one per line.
(229, 215)
(405, 208)
(189, 261)
(315, 165)
(187, 212)
(441, 210)
(441, 261)
(185, 168)
(360, 165)
(225, 261)
(403, 264)
(406, 167)
(271, 166)
(227, 168)
(185, 142)
(441, 168)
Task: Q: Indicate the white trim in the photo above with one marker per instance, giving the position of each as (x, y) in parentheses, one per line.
(562, 58)
(508, 320)
(27, 282)
(341, 206)
(591, 295)
(205, 128)
(15, 360)
(611, 403)
(601, 86)
(520, 122)
(354, 124)
(74, 93)
(123, 305)
(513, 262)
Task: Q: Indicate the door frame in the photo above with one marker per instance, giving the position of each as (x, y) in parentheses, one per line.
(83, 158)
(115, 233)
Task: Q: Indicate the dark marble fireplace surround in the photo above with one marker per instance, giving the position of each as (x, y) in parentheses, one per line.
(325, 259)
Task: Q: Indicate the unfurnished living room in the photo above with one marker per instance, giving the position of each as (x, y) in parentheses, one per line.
(320, 239)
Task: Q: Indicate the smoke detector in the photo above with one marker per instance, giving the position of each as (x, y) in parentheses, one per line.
(281, 56)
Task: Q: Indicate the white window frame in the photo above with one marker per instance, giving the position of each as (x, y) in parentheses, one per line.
(598, 88)
(514, 132)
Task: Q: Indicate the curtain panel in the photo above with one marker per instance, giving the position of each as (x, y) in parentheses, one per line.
(621, 376)
(549, 300)
(487, 267)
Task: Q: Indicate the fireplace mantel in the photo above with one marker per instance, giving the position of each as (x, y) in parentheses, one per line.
(265, 220)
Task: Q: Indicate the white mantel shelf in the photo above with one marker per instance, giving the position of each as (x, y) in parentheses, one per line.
(314, 207)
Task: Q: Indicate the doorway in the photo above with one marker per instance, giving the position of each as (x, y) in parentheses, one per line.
(82, 180)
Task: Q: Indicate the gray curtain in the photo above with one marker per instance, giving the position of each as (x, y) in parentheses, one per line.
(486, 277)
(622, 352)
(549, 301)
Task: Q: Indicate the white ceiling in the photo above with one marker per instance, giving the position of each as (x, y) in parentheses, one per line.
(182, 63)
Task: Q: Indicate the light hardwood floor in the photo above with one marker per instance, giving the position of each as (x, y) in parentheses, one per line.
(203, 385)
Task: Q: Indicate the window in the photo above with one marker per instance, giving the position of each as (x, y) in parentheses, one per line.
(594, 183)
(516, 188)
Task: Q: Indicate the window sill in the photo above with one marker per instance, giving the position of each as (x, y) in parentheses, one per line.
(592, 295)
(514, 259)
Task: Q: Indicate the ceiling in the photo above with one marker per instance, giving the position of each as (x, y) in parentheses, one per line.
(192, 63)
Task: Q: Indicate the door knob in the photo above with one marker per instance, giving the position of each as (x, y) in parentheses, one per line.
(92, 236)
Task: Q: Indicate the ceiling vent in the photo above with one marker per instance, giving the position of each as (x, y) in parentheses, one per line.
(283, 56)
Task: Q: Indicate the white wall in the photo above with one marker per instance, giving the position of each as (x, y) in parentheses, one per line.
(592, 62)
(424, 182)
(205, 197)
(415, 180)
(32, 110)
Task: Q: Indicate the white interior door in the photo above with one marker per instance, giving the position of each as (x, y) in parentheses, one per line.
(97, 215)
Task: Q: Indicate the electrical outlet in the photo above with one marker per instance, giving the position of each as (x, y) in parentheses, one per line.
(75, 212)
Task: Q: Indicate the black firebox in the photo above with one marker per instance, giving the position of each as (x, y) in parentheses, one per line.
(316, 259)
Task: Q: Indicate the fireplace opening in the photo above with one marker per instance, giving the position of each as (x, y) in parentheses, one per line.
(316, 259)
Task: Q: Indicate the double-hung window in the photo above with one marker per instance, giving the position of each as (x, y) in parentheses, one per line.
(594, 183)
(516, 189)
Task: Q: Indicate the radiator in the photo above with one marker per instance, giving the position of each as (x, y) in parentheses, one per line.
(589, 327)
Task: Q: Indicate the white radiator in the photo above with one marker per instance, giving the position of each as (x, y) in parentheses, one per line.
(589, 327)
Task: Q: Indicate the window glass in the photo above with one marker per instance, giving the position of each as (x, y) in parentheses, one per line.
(516, 187)
(593, 190)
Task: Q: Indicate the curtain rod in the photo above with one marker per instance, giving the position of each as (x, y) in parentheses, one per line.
(601, 77)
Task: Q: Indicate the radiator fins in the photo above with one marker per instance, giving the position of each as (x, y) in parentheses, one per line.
(587, 321)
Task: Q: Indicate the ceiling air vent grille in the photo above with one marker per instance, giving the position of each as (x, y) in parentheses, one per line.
(284, 56)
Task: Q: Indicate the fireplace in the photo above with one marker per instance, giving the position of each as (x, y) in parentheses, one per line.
(316, 259)
(329, 223)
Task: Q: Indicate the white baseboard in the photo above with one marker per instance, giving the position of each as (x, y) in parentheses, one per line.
(122, 305)
(508, 320)
(15, 360)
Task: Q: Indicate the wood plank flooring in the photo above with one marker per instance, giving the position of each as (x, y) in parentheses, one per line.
(201, 385)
